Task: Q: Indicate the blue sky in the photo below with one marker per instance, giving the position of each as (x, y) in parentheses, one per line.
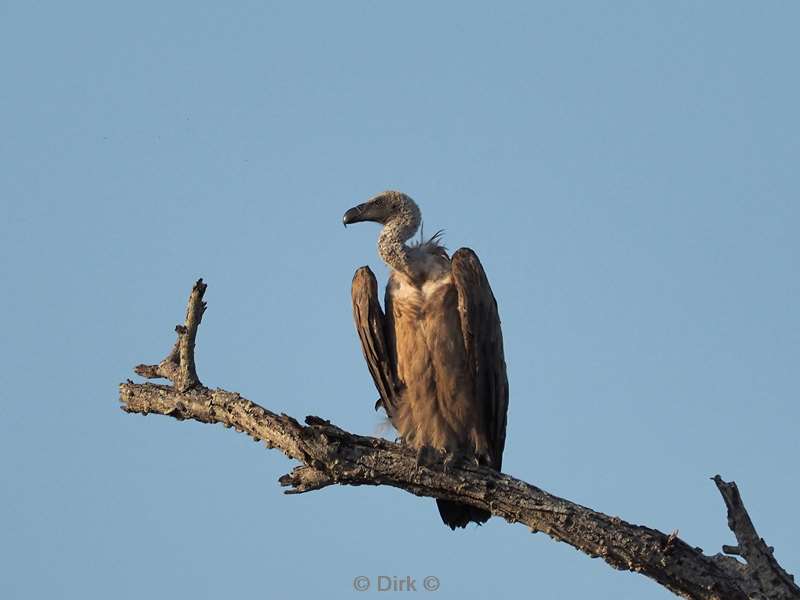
(627, 174)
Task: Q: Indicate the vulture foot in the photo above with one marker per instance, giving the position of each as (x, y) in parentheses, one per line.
(427, 456)
(457, 459)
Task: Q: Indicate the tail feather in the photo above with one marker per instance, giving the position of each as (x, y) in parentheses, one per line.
(460, 515)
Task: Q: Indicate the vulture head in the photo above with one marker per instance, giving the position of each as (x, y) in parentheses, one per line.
(389, 209)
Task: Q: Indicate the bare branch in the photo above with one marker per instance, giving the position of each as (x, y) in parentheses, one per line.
(179, 365)
(761, 564)
(329, 455)
(305, 479)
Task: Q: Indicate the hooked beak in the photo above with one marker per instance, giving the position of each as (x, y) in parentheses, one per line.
(368, 211)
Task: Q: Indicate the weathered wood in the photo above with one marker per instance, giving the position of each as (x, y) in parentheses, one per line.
(179, 366)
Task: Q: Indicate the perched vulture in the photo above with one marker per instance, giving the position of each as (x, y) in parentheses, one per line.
(436, 355)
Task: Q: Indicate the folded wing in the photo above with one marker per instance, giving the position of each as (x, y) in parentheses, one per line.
(371, 327)
(480, 324)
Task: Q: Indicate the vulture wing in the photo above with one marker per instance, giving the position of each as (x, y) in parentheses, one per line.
(480, 324)
(371, 327)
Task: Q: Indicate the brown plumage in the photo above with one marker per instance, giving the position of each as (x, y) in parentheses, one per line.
(436, 355)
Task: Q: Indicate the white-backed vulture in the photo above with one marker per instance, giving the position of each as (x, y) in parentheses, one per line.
(436, 356)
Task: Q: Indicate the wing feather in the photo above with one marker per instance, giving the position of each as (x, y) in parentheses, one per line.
(371, 327)
(480, 324)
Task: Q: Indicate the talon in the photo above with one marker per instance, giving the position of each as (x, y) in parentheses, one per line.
(449, 461)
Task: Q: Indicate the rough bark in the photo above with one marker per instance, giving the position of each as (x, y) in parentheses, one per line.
(178, 366)
(330, 455)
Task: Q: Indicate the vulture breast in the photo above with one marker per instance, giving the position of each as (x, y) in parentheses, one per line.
(437, 406)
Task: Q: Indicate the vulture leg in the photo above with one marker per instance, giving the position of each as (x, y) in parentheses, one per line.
(426, 456)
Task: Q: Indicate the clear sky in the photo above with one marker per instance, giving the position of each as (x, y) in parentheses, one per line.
(627, 172)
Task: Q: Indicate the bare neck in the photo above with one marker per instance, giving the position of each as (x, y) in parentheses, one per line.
(392, 246)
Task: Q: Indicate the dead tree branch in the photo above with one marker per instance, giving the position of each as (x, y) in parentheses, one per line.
(179, 365)
(330, 455)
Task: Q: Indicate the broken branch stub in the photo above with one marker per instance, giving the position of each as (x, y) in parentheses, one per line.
(179, 365)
